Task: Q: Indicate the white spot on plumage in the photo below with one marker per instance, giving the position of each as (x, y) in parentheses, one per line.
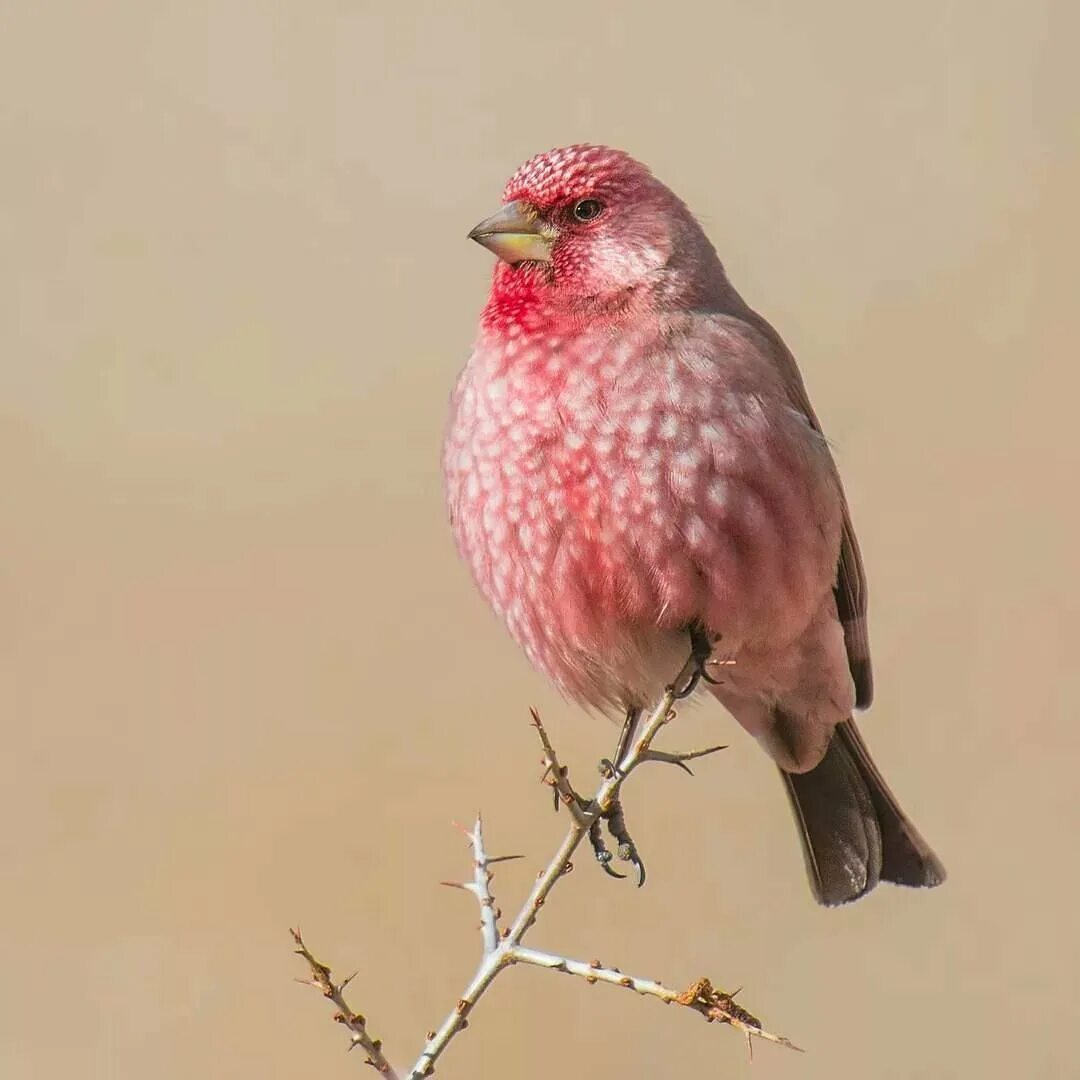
(668, 427)
(695, 531)
(688, 460)
(717, 495)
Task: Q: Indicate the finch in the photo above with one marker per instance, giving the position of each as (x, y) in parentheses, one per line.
(632, 459)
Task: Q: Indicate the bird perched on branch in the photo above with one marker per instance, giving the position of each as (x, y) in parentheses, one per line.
(633, 467)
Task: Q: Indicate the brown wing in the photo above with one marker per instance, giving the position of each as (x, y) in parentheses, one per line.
(850, 592)
(850, 588)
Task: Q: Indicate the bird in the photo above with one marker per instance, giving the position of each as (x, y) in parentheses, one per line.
(632, 464)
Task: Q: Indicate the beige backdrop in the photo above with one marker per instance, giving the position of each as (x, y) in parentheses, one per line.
(245, 682)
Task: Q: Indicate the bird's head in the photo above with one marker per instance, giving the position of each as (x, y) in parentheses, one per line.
(587, 231)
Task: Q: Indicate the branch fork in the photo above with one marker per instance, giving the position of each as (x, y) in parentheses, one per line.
(502, 944)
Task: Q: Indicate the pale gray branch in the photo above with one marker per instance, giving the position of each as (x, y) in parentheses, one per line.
(700, 996)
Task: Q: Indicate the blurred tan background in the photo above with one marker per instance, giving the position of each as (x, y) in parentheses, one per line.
(245, 682)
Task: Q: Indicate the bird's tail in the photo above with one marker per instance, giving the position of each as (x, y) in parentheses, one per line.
(854, 833)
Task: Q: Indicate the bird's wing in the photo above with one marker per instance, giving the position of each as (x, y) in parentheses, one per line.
(850, 588)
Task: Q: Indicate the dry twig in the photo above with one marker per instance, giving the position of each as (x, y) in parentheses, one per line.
(357, 1025)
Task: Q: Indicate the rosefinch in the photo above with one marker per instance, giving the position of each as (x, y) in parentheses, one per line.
(632, 459)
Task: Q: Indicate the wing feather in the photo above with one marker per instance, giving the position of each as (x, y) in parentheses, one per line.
(850, 588)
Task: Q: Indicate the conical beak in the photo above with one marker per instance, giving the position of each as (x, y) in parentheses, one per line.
(516, 234)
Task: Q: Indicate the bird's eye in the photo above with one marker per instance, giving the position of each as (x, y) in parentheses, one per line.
(588, 209)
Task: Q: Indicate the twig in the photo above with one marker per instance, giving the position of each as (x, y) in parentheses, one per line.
(504, 949)
(357, 1025)
(480, 886)
(699, 996)
(558, 776)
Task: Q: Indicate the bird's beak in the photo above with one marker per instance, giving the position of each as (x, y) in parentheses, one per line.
(516, 234)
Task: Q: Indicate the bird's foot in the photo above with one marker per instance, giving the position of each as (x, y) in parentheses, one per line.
(626, 850)
(701, 648)
(600, 849)
(694, 672)
(585, 812)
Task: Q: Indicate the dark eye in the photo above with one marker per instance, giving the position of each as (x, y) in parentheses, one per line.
(588, 209)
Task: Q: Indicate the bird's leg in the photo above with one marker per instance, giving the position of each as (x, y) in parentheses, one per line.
(608, 768)
(701, 648)
(626, 740)
(613, 815)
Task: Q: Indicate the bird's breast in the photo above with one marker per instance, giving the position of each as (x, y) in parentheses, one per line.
(602, 486)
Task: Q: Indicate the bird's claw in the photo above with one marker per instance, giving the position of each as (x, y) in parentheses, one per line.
(608, 769)
(600, 850)
(628, 852)
(701, 650)
(701, 647)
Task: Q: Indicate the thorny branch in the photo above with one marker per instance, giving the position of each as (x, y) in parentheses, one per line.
(356, 1024)
(502, 948)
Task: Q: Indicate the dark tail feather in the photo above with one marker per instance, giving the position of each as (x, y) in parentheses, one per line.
(854, 833)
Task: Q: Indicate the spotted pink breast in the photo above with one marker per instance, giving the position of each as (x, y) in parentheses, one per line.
(608, 489)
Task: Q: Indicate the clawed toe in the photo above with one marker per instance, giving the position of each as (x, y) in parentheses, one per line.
(607, 769)
(627, 850)
(600, 849)
(701, 647)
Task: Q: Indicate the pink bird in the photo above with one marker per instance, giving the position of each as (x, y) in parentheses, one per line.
(633, 467)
